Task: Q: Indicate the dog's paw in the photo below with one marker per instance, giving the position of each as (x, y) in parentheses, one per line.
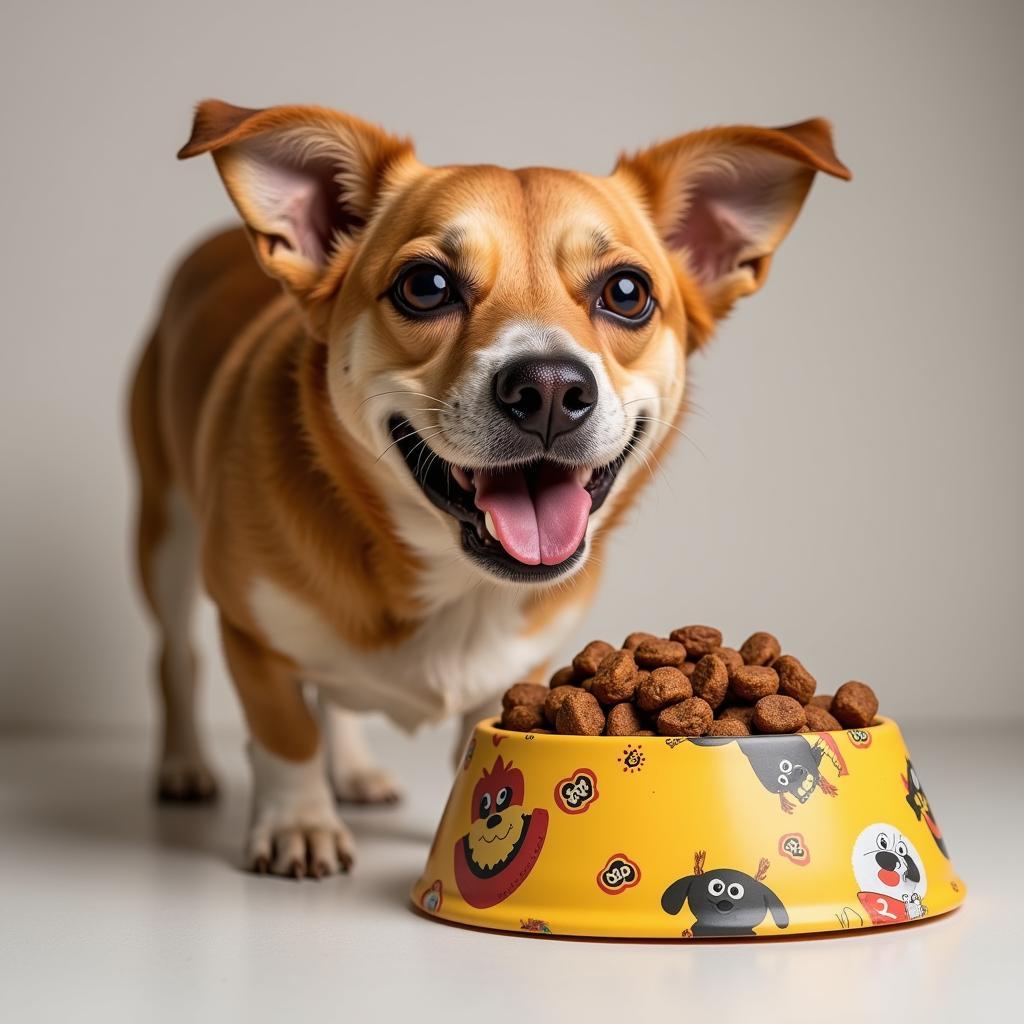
(295, 830)
(368, 786)
(185, 779)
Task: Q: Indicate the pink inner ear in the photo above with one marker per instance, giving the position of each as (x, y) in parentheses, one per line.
(736, 213)
(299, 203)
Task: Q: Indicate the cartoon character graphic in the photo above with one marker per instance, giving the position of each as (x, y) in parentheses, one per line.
(921, 807)
(889, 874)
(504, 840)
(724, 901)
(787, 765)
(433, 897)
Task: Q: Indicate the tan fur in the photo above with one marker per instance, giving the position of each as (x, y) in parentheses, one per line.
(260, 405)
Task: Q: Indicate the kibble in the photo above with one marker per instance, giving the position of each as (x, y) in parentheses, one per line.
(710, 680)
(615, 680)
(661, 687)
(778, 713)
(855, 705)
(580, 715)
(752, 682)
(690, 717)
(691, 684)
(698, 640)
(760, 649)
(794, 680)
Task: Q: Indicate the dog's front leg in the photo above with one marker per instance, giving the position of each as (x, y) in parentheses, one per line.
(485, 709)
(295, 829)
(354, 773)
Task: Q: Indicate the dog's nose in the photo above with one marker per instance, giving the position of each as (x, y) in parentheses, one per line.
(886, 860)
(494, 821)
(546, 396)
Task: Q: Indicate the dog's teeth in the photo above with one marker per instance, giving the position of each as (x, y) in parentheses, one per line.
(462, 478)
(583, 476)
(489, 525)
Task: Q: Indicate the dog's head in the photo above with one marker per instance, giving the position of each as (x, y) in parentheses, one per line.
(885, 861)
(507, 348)
(725, 900)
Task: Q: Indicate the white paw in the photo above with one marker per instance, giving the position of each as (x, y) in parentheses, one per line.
(367, 786)
(185, 778)
(295, 829)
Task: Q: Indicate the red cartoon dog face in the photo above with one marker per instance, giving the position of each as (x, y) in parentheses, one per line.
(504, 840)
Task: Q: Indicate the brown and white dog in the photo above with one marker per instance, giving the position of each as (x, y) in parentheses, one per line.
(394, 475)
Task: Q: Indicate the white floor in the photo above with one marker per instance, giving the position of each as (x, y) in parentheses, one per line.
(112, 909)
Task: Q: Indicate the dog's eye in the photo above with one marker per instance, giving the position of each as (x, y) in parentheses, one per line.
(716, 887)
(485, 805)
(504, 798)
(783, 780)
(883, 843)
(423, 289)
(627, 295)
(736, 891)
(901, 849)
(785, 766)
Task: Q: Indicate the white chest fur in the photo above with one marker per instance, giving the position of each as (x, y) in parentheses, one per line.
(464, 654)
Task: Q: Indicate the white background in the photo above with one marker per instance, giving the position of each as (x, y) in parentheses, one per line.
(860, 488)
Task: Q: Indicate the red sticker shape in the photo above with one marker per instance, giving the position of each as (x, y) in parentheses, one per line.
(793, 847)
(619, 874)
(575, 794)
(860, 738)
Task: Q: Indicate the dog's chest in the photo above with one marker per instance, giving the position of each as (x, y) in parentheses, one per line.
(462, 655)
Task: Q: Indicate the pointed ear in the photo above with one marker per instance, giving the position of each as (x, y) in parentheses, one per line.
(304, 179)
(724, 198)
(673, 898)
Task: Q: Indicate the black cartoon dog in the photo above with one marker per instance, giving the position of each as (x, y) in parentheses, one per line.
(920, 806)
(725, 902)
(787, 765)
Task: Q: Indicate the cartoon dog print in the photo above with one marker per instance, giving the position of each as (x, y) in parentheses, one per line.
(725, 902)
(504, 840)
(787, 765)
(921, 807)
(890, 875)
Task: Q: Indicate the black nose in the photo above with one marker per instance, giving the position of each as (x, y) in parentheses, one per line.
(887, 861)
(494, 821)
(546, 397)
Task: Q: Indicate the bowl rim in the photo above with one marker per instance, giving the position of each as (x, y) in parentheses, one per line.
(490, 726)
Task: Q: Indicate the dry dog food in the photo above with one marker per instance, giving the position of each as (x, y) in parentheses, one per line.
(688, 684)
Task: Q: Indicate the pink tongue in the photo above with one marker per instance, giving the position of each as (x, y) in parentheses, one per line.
(544, 527)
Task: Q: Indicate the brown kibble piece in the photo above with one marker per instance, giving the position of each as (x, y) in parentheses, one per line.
(740, 714)
(794, 680)
(687, 668)
(585, 663)
(524, 694)
(645, 732)
(523, 717)
(662, 686)
(710, 680)
(554, 701)
(580, 715)
(634, 640)
(624, 720)
(616, 678)
(690, 717)
(752, 682)
(777, 713)
(855, 705)
(732, 658)
(698, 640)
(760, 649)
(822, 700)
(727, 727)
(659, 653)
(565, 676)
(820, 720)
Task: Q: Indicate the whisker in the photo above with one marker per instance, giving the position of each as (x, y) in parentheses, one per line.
(404, 391)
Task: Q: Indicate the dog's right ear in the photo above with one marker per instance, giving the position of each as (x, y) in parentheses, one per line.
(673, 898)
(305, 180)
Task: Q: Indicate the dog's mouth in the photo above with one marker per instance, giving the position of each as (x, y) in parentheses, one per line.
(526, 522)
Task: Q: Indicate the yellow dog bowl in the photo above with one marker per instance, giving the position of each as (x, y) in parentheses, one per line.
(668, 838)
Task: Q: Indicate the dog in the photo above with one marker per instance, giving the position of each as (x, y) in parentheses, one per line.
(725, 902)
(786, 765)
(389, 421)
(889, 874)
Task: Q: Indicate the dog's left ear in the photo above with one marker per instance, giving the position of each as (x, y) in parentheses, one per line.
(305, 180)
(724, 198)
